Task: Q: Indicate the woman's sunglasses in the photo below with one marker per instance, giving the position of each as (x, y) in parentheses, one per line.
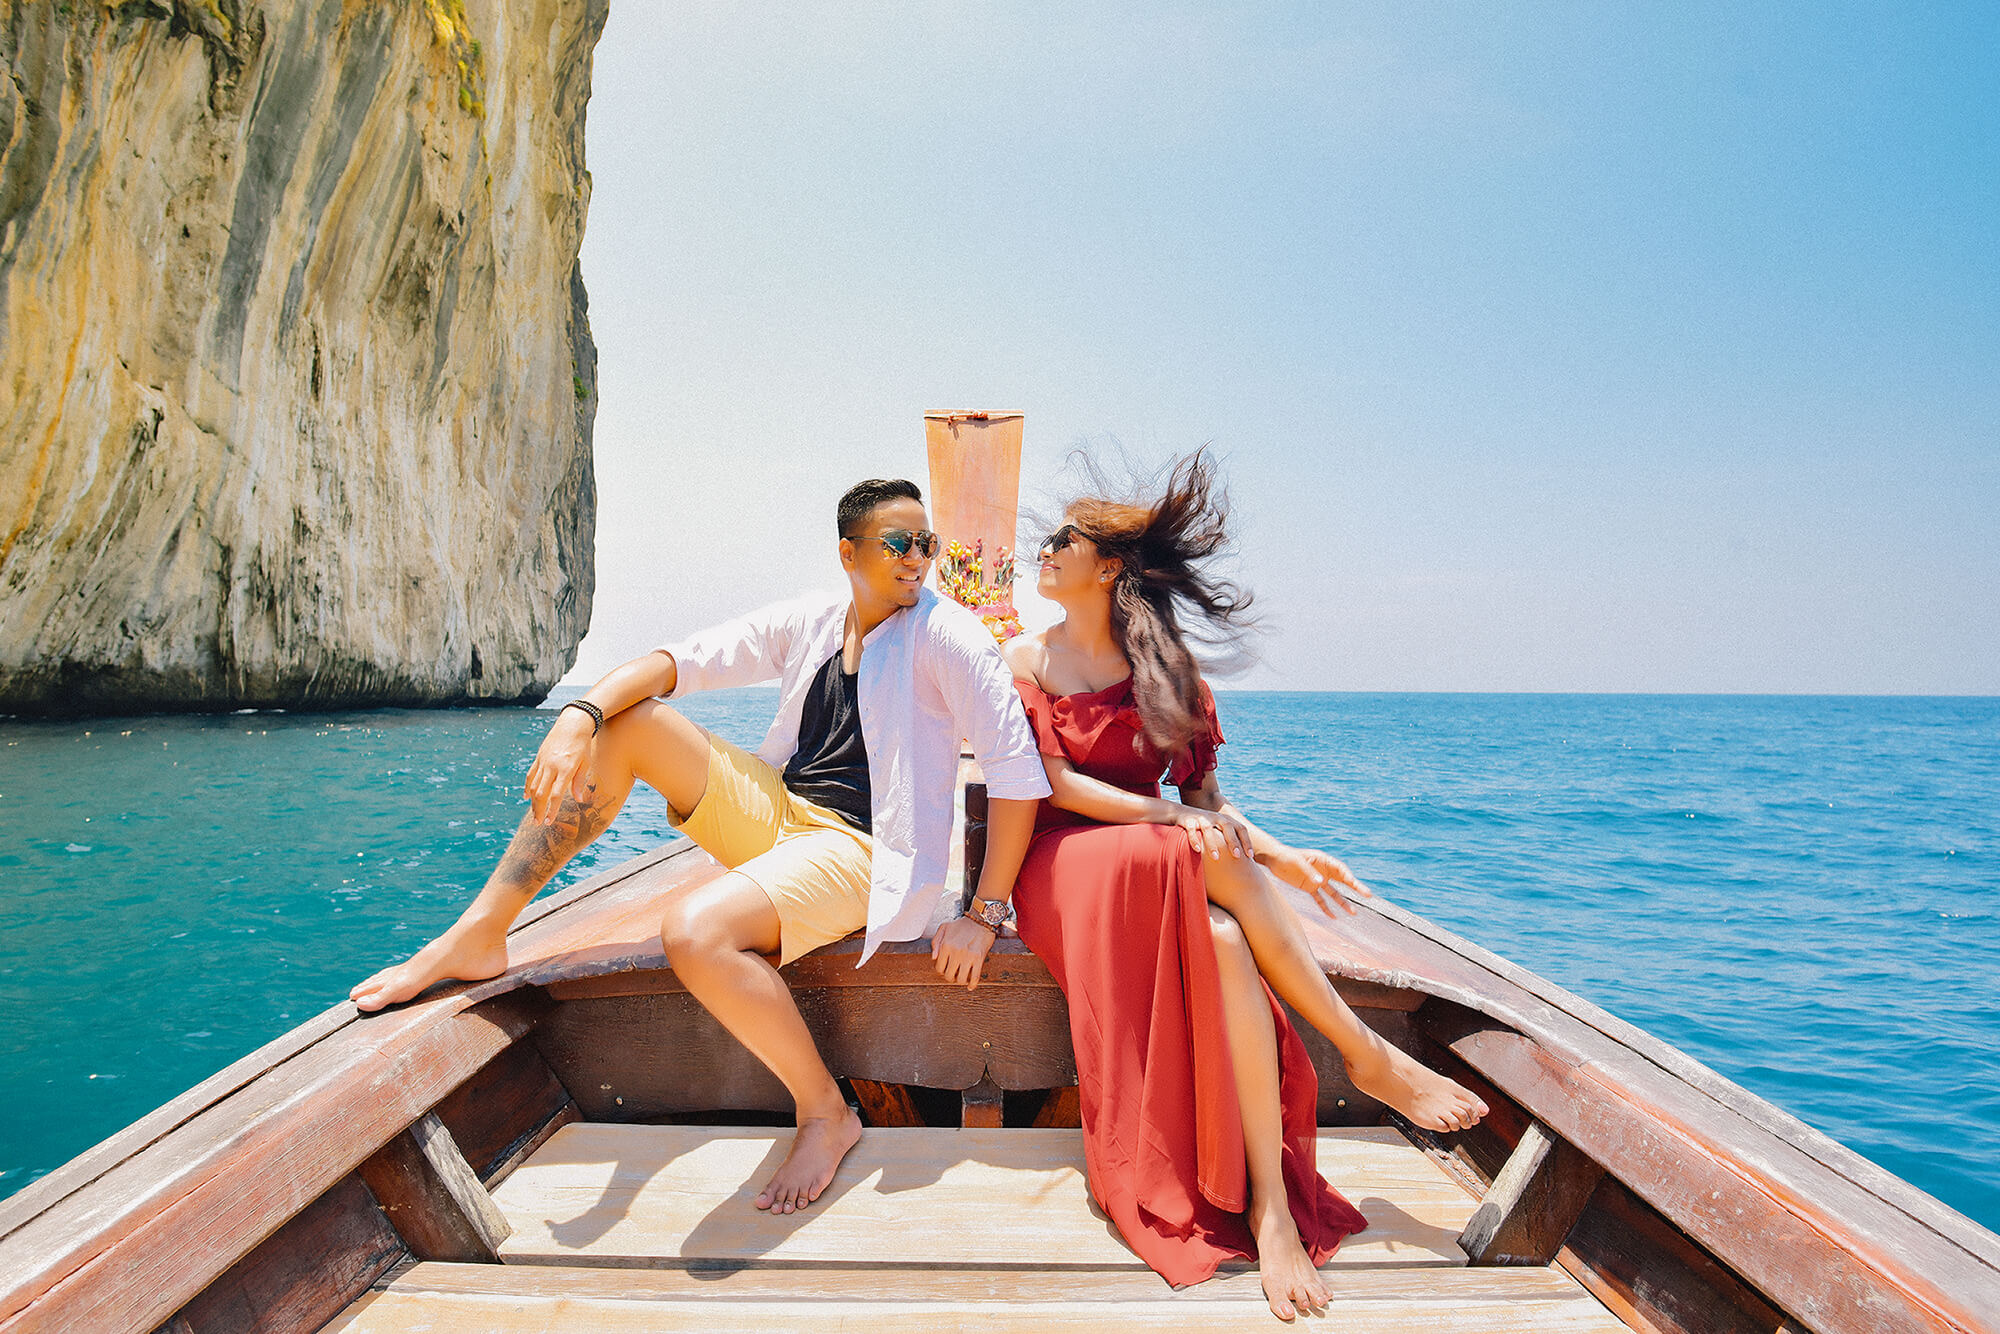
(898, 541)
(1059, 539)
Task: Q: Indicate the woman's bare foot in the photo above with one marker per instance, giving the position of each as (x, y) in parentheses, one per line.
(1391, 1075)
(1291, 1283)
(817, 1148)
(453, 954)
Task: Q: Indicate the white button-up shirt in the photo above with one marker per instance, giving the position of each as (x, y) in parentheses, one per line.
(930, 675)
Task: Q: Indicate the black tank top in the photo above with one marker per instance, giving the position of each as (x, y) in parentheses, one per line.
(830, 766)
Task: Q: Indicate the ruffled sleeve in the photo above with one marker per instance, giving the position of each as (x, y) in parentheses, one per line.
(1041, 718)
(1199, 759)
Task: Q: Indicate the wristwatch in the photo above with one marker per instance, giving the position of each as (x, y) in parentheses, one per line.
(990, 913)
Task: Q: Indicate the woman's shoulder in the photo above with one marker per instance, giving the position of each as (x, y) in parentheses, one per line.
(1026, 655)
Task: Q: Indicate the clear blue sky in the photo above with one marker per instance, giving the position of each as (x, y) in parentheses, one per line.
(1563, 347)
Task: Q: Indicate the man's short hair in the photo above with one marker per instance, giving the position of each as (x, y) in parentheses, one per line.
(863, 497)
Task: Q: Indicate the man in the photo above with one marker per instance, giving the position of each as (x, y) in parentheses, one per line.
(841, 820)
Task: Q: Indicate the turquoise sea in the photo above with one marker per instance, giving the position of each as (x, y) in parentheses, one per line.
(1803, 893)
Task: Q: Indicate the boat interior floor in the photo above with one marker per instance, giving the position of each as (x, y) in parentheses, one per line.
(641, 1227)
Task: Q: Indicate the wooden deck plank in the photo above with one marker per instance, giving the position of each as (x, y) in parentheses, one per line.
(893, 1282)
(515, 1299)
(668, 1195)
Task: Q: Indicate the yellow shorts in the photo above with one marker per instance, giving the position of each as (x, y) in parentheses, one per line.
(814, 865)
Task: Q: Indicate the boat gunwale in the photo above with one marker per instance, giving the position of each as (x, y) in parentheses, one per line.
(1731, 1124)
(1947, 1223)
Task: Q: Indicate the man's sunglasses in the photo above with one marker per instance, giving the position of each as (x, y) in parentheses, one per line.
(1059, 539)
(898, 541)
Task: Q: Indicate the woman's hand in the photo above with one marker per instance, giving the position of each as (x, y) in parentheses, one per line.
(562, 766)
(1319, 874)
(959, 950)
(1213, 833)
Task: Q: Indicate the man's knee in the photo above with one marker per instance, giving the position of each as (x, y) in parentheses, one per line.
(685, 929)
(659, 745)
(645, 713)
(728, 915)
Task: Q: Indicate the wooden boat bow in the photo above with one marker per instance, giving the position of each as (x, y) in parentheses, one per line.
(274, 1194)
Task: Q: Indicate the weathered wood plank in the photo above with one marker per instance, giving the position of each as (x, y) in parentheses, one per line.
(1651, 1276)
(635, 1058)
(502, 1106)
(898, 1279)
(1482, 1151)
(1813, 1260)
(539, 1298)
(1340, 1102)
(303, 1274)
(980, 1106)
(651, 1195)
(433, 1198)
(1063, 1109)
(1533, 1203)
(643, 1057)
(885, 1104)
(567, 1114)
(131, 1247)
(39, 1196)
(898, 963)
(974, 809)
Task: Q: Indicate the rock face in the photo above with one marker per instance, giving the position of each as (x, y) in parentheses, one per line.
(296, 380)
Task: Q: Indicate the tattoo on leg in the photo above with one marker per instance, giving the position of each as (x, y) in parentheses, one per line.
(538, 851)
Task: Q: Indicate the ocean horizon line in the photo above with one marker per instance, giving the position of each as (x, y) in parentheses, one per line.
(561, 694)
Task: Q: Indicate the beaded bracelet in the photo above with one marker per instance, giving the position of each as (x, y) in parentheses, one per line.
(596, 714)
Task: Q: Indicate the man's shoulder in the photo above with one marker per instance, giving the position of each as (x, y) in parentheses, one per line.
(801, 609)
(943, 621)
(804, 614)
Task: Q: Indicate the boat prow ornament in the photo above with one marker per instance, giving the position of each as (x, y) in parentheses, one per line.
(975, 461)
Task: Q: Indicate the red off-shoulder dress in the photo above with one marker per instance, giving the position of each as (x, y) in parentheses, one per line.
(1118, 913)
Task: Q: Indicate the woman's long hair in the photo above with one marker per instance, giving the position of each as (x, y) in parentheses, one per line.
(1165, 595)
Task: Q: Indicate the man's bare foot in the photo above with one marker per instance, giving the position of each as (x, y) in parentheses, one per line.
(817, 1148)
(450, 955)
(1391, 1075)
(1291, 1284)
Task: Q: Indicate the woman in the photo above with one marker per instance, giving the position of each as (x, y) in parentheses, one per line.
(1198, 1097)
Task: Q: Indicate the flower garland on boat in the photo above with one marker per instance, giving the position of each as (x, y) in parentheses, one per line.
(961, 573)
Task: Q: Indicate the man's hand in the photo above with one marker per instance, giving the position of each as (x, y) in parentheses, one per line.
(1319, 874)
(959, 950)
(562, 766)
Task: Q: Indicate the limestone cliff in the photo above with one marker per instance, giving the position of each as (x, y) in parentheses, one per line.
(296, 381)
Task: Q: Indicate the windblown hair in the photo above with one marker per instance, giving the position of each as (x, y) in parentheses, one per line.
(1165, 595)
(863, 497)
